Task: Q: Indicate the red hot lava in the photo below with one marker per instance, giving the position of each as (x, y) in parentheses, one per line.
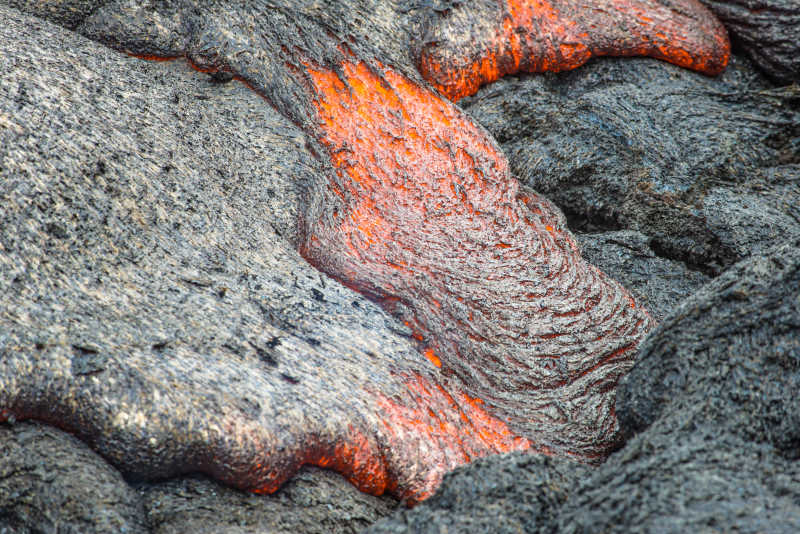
(471, 49)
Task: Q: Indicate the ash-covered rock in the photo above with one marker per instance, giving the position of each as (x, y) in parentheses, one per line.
(67, 13)
(766, 30)
(713, 396)
(728, 358)
(145, 237)
(705, 167)
(315, 501)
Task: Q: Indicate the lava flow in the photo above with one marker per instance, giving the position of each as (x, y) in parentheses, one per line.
(480, 42)
(425, 218)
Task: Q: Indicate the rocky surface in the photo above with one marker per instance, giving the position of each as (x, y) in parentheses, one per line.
(766, 30)
(148, 214)
(148, 180)
(52, 482)
(705, 167)
(657, 282)
(712, 411)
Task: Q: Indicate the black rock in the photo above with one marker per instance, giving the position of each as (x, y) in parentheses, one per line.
(705, 167)
(766, 30)
(503, 494)
(658, 283)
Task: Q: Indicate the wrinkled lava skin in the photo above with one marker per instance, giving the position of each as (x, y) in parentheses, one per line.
(521, 342)
(479, 42)
(435, 228)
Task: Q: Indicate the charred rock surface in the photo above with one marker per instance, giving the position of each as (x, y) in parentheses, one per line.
(713, 406)
(474, 43)
(658, 283)
(401, 197)
(503, 494)
(52, 482)
(767, 31)
(706, 168)
(67, 13)
(745, 367)
(315, 501)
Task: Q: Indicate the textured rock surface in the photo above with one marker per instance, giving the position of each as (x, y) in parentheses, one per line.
(316, 501)
(525, 358)
(767, 31)
(154, 169)
(706, 168)
(741, 334)
(478, 42)
(713, 396)
(172, 282)
(52, 482)
(658, 283)
(503, 494)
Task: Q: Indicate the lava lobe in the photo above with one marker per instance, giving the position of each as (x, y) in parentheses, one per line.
(426, 219)
(477, 43)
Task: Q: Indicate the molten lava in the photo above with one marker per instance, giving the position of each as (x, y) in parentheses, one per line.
(480, 42)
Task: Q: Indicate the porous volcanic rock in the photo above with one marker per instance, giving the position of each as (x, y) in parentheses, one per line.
(713, 399)
(705, 167)
(52, 482)
(768, 31)
(270, 382)
(67, 13)
(315, 501)
(502, 494)
(122, 185)
(728, 357)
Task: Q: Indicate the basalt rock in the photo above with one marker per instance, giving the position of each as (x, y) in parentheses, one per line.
(315, 501)
(52, 482)
(658, 283)
(706, 168)
(503, 494)
(767, 31)
(712, 414)
(741, 334)
(160, 310)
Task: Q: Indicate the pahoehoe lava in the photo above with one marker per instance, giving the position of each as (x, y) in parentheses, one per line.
(478, 42)
(416, 209)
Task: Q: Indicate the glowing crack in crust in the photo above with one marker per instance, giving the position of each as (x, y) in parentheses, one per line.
(480, 42)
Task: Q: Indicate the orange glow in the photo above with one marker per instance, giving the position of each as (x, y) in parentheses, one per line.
(457, 426)
(558, 35)
(432, 357)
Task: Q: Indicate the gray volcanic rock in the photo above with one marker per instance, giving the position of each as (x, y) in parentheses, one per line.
(714, 397)
(674, 480)
(500, 494)
(729, 356)
(658, 283)
(148, 216)
(638, 144)
(767, 30)
(68, 13)
(316, 501)
(52, 482)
